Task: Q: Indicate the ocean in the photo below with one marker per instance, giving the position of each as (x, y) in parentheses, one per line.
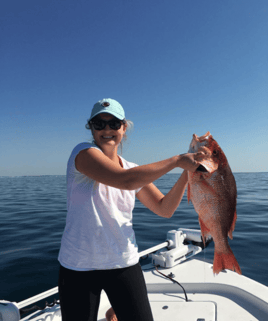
(33, 212)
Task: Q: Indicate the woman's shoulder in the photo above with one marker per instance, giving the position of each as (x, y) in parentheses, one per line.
(127, 164)
(81, 146)
(77, 149)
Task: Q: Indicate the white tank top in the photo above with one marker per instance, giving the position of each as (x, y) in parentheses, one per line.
(98, 232)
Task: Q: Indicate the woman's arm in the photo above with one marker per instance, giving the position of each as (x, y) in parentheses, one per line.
(94, 164)
(163, 205)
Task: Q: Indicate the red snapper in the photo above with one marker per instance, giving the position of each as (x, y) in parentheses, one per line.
(212, 190)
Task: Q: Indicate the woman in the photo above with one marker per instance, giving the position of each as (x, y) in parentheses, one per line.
(98, 250)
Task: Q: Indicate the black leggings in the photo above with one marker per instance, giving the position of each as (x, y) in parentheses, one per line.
(80, 291)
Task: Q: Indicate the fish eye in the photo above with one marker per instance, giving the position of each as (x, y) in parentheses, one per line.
(215, 152)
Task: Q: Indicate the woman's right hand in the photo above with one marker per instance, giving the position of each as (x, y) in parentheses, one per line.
(190, 161)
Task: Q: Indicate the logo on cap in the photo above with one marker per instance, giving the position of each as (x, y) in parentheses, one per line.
(105, 104)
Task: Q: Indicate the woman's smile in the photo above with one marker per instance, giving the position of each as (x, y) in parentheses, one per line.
(107, 137)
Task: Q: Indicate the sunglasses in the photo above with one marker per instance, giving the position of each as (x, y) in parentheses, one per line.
(100, 124)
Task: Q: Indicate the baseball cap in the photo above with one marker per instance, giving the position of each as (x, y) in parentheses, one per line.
(109, 106)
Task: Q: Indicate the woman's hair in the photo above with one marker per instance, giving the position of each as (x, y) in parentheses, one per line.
(127, 123)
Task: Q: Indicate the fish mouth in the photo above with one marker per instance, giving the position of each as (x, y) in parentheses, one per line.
(207, 166)
(201, 138)
(199, 144)
(198, 141)
(201, 168)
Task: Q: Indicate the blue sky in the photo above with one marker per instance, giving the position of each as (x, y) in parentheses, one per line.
(178, 67)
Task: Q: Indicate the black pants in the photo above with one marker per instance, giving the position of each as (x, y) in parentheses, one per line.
(80, 294)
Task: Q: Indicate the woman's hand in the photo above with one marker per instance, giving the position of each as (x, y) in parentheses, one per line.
(190, 161)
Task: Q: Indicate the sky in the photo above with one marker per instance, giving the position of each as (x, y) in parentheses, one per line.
(178, 67)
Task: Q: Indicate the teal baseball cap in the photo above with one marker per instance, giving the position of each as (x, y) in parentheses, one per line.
(109, 106)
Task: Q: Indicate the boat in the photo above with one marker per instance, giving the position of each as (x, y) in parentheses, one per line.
(181, 287)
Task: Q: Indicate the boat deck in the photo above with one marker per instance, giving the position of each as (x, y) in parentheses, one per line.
(223, 297)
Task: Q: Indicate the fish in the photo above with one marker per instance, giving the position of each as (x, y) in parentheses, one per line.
(213, 193)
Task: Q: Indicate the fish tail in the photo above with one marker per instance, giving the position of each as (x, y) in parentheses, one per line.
(224, 261)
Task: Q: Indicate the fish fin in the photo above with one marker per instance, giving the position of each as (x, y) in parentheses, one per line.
(232, 226)
(188, 193)
(224, 261)
(204, 231)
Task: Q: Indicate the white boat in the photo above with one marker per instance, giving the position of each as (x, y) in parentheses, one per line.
(204, 296)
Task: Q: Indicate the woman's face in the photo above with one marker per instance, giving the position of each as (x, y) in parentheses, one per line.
(107, 137)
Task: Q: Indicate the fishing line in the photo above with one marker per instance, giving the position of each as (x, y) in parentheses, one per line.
(170, 278)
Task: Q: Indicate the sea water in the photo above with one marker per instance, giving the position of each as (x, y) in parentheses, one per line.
(32, 220)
